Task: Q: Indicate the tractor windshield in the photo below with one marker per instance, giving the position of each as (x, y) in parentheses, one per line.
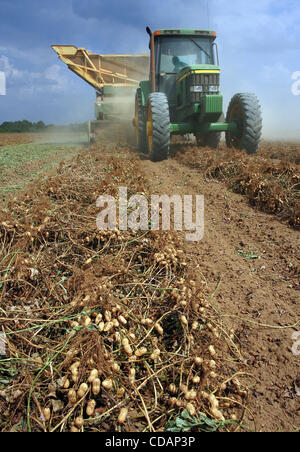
(176, 52)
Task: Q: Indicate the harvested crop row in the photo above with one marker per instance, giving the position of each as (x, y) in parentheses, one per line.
(281, 151)
(106, 330)
(272, 186)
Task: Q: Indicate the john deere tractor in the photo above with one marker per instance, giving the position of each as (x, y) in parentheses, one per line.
(183, 97)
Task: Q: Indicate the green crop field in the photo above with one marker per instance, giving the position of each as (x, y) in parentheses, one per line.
(21, 163)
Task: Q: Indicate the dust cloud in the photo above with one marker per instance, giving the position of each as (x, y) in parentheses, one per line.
(117, 127)
(65, 135)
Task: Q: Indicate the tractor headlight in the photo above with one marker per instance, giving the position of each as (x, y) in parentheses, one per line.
(197, 89)
(204, 89)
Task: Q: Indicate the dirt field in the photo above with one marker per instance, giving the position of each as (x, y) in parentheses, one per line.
(143, 331)
(8, 139)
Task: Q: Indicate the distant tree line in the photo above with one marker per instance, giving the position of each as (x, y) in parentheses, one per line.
(22, 126)
(40, 126)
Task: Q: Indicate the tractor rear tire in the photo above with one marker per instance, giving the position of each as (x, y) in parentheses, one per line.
(211, 139)
(140, 123)
(158, 127)
(244, 109)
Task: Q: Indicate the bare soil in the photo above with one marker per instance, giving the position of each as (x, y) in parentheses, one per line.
(8, 139)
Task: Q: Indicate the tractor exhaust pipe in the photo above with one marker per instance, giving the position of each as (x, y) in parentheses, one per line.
(152, 59)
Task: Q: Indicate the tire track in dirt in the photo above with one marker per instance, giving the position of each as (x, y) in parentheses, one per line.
(263, 289)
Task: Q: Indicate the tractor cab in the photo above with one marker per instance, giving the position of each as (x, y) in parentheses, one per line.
(177, 53)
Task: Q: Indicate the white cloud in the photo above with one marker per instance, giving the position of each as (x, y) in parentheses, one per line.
(8, 68)
(57, 75)
(259, 43)
(276, 73)
(53, 78)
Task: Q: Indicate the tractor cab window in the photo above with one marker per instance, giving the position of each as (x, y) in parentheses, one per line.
(176, 52)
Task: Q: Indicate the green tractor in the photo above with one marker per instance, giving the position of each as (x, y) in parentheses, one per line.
(183, 97)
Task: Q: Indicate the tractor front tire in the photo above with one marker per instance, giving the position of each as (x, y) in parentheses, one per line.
(245, 111)
(158, 127)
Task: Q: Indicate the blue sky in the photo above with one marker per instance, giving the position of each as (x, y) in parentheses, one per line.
(259, 47)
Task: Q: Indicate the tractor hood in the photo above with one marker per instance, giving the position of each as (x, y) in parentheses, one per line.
(198, 92)
(197, 69)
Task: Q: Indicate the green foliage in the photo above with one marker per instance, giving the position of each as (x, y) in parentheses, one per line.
(250, 255)
(185, 422)
(34, 127)
(22, 127)
(21, 164)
